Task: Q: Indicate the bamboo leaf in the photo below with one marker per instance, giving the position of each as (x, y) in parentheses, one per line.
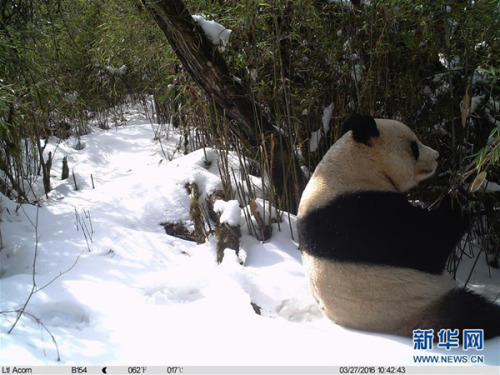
(478, 182)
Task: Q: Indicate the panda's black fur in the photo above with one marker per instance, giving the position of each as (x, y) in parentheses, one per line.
(357, 224)
(360, 230)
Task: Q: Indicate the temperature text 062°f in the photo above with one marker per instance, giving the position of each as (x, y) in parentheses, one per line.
(137, 370)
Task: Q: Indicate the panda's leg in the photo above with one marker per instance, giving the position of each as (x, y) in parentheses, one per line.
(462, 309)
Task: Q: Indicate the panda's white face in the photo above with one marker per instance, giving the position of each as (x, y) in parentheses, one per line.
(405, 160)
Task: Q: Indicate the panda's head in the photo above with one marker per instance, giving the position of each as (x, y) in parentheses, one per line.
(395, 148)
(373, 154)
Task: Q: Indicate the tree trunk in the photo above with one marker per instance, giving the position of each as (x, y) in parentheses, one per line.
(209, 70)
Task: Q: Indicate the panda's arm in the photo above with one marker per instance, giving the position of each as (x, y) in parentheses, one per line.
(451, 220)
(444, 228)
(427, 237)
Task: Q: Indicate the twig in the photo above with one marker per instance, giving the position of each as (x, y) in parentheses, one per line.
(80, 223)
(61, 273)
(33, 287)
(87, 215)
(39, 321)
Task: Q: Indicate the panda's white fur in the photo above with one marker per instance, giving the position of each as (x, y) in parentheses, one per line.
(367, 296)
(373, 298)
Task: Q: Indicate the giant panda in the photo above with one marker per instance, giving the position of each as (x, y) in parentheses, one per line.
(374, 261)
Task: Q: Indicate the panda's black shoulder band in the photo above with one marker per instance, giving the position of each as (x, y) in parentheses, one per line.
(363, 128)
(380, 228)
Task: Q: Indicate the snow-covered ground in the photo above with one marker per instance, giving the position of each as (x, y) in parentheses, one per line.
(114, 289)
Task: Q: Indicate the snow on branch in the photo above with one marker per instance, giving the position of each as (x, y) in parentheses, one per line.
(215, 32)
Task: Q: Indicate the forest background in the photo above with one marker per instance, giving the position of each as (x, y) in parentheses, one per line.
(304, 65)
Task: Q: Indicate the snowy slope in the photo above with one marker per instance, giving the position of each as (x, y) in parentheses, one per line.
(113, 288)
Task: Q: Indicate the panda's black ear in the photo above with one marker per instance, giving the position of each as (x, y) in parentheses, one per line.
(363, 128)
